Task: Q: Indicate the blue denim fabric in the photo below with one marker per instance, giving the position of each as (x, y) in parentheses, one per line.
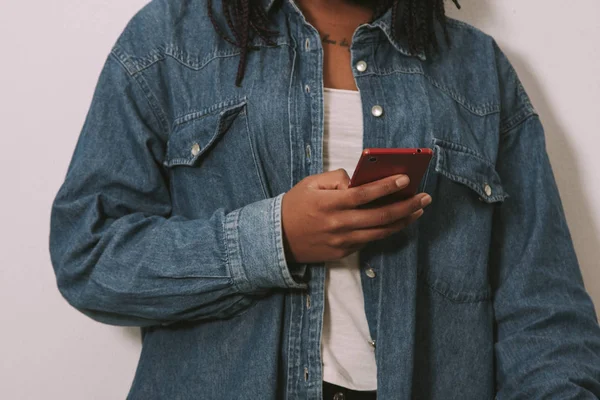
(169, 218)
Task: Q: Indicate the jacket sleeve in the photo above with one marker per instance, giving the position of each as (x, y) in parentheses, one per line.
(118, 253)
(547, 333)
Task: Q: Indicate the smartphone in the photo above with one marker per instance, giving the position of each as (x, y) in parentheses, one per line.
(378, 163)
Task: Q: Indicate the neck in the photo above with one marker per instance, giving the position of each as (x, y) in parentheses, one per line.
(336, 12)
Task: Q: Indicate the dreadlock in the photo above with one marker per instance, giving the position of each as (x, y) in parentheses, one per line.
(411, 19)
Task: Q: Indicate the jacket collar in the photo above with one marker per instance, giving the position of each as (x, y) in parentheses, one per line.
(384, 22)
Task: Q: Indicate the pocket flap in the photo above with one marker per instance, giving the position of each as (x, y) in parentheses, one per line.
(194, 134)
(462, 165)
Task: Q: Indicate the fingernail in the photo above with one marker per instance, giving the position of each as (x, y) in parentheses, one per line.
(402, 181)
(425, 200)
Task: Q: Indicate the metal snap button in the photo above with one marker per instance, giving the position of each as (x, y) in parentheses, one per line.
(372, 343)
(370, 272)
(487, 189)
(361, 66)
(377, 111)
(195, 149)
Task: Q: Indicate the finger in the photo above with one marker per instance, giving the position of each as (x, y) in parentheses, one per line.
(356, 196)
(364, 236)
(386, 214)
(331, 180)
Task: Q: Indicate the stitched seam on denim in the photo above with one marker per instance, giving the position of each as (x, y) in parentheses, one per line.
(204, 63)
(124, 58)
(160, 53)
(293, 367)
(462, 148)
(371, 42)
(280, 265)
(137, 64)
(156, 110)
(240, 280)
(483, 110)
(191, 160)
(225, 105)
(391, 71)
(277, 232)
(189, 276)
(450, 146)
(473, 186)
(526, 108)
(517, 120)
(226, 250)
(385, 27)
(451, 294)
(468, 298)
(290, 99)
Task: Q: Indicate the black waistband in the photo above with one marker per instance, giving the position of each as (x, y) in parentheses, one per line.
(335, 392)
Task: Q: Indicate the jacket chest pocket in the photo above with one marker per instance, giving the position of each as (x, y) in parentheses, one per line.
(456, 229)
(211, 161)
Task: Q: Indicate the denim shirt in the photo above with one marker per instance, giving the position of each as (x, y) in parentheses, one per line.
(169, 217)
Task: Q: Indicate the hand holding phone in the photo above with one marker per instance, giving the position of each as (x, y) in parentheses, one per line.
(323, 219)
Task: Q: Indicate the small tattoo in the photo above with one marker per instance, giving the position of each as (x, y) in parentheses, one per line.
(344, 43)
(327, 40)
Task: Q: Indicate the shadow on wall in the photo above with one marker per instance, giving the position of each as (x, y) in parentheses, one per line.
(132, 334)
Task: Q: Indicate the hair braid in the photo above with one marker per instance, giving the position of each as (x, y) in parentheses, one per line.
(245, 35)
(216, 26)
(411, 19)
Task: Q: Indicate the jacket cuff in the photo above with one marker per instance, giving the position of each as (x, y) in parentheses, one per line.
(254, 248)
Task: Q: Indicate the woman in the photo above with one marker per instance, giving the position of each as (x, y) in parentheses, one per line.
(207, 202)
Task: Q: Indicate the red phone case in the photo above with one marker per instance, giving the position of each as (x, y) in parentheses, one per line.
(378, 163)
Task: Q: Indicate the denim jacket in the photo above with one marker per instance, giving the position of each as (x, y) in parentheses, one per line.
(169, 217)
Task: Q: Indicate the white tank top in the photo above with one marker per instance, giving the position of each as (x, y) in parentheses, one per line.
(348, 358)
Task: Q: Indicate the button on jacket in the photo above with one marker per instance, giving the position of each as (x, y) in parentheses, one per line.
(169, 217)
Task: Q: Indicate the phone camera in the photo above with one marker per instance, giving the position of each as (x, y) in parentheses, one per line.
(419, 151)
(372, 159)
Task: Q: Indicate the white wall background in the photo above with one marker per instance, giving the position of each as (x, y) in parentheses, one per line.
(52, 53)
